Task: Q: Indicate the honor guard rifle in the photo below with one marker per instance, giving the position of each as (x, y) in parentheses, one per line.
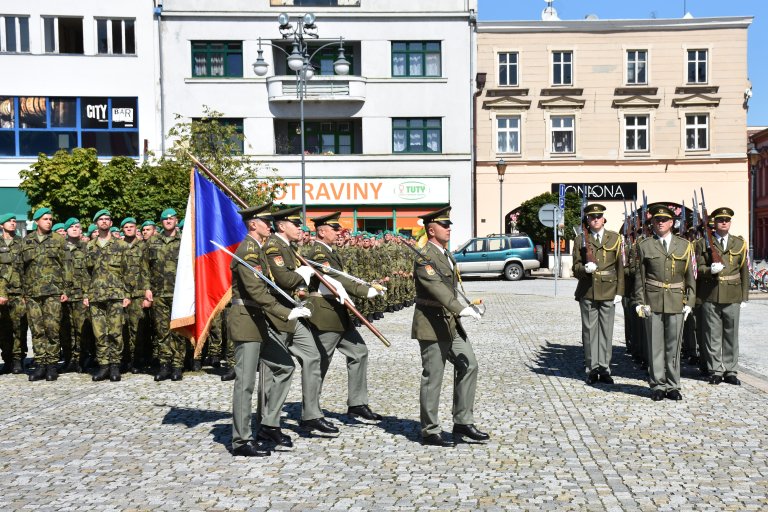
(589, 255)
(708, 232)
(682, 228)
(695, 220)
(635, 221)
(644, 220)
(625, 238)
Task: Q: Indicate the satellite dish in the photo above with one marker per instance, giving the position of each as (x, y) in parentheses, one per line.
(549, 13)
(591, 17)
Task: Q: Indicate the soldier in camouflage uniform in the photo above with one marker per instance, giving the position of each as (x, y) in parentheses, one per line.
(76, 315)
(47, 281)
(134, 339)
(13, 319)
(107, 294)
(161, 255)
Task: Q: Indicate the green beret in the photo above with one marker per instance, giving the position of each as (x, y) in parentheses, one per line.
(168, 212)
(40, 212)
(58, 226)
(6, 217)
(113, 229)
(147, 223)
(71, 222)
(100, 213)
(128, 220)
(91, 229)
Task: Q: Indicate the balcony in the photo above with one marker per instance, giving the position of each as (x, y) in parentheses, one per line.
(282, 89)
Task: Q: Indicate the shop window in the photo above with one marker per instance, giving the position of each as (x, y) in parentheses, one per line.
(417, 135)
(508, 68)
(115, 37)
(63, 35)
(14, 34)
(562, 68)
(637, 61)
(697, 66)
(416, 59)
(112, 143)
(32, 143)
(217, 58)
(563, 132)
(696, 132)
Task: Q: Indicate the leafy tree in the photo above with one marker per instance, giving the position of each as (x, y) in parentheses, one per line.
(528, 219)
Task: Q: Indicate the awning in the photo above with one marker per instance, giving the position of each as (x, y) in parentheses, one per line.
(13, 200)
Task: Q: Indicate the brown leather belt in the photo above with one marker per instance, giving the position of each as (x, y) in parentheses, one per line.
(605, 272)
(318, 294)
(427, 302)
(245, 302)
(732, 277)
(659, 284)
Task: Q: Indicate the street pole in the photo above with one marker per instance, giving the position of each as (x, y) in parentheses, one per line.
(752, 200)
(302, 86)
(501, 168)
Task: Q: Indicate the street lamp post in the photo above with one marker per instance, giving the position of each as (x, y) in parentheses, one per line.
(501, 168)
(300, 61)
(754, 157)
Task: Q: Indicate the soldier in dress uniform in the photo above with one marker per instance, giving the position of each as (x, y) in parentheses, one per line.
(13, 318)
(665, 290)
(600, 288)
(724, 290)
(331, 322)
(437, 326)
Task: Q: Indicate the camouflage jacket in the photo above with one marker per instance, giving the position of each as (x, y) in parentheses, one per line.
(161, 256)
(80, 275)
(137, 270)
(108, 266)
(47, 266)
(11, 268)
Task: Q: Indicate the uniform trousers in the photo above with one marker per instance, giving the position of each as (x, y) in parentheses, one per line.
(44, 316)
(13, 330)
(597, 333)
(666, 335)
(246, 367)
(76, 316)
(134, 341)
(721, 335)
(433, 357)
(107, 319)
(170, 346)
(350, 343)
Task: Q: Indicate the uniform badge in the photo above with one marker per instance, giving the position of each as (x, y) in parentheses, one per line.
(279, 261)
(258, 267)
(430, 270)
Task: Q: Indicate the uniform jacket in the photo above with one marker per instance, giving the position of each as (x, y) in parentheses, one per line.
(730, 285)
(247, 322)
(80, 274)
(11, 267)
(608, 280)
(328, 314)
(435, 317)
(657, 270)
(161, 257)
(137, 276)
(282, 262)
(108, 266)
(47, 267)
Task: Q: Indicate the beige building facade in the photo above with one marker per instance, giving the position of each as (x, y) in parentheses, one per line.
(614, 107)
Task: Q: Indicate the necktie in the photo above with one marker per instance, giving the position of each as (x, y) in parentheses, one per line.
(447, 255)
(722, 243)
(664, 244)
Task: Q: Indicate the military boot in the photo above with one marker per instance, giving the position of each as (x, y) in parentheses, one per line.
(51, 372)
(114, 372)
(38, 374)
(18, 367)
(72, 367)
(164, 373)
(176, 374)
(197, 365)
(6, 368)
(230, 375)
(101, 374)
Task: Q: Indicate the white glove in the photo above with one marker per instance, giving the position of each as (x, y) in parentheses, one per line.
(343, 295)
(470, 311)
(300, 312)
(590, 267)
(743, 305)
(716, 268)
(686, 312)
(643, 311)
(305, 272)
(373, 292)
(617, 299)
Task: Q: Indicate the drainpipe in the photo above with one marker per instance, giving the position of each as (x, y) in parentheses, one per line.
(158, 12)
(473, 114)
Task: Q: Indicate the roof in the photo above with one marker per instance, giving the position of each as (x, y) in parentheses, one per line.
(639, 25)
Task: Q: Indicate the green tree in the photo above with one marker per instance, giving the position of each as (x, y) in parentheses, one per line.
(528, 220)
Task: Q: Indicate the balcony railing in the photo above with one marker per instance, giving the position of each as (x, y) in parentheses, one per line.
(319, 88)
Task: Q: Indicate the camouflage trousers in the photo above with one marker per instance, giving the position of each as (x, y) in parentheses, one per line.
(44, 317)
(74, 325)
(13, 330)
(170, 345)
(107, 320)
(135, 339)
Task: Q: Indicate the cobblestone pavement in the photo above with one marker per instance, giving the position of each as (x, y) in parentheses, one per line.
(557, 444)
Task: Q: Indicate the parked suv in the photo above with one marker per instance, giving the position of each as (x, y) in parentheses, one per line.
(509, 255)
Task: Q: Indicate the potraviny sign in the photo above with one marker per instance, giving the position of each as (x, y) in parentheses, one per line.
(600, 191)
(356, 191)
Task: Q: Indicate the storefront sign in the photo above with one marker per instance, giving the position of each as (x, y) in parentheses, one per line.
(599, 191)
(356, 191)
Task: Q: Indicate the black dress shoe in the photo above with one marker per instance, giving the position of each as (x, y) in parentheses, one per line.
(164, 373)
(197, 365)
(469, 431)
(606, 378)
(732, 379)
(230, 375)
(215, 362)
(592, 377)
(114, 372)
(6, 368)
(657, 395)
(715, 379)
(365, 412)
(436, 440)
(51, 372)
(275, 435)
(176, 374)
(18, 368)
(38, 374)
(674, 395)
(102, 374)
(320, 424)
(250, 450)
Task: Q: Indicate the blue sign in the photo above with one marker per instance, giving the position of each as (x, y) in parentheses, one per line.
(562, 203)
(562, 193)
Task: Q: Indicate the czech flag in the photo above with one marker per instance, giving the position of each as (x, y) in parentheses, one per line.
(203, 279)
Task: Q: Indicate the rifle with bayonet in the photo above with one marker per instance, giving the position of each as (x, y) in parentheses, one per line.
(589, 255)
(682, 227)
(625, 238)
(644, 220)
(695, 221)
(715, 255)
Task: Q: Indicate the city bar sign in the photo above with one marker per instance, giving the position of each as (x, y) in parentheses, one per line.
(600, 191)
(357, 191)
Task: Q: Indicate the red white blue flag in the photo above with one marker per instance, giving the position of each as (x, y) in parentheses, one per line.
(203, 279)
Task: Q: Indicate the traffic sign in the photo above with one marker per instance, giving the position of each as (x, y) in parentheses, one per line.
(562, 202)
(562, 191)
(550, 215)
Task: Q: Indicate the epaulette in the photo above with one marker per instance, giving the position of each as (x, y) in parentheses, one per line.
(272, 250)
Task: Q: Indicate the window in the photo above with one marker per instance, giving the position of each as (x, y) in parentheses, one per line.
(314, 3)
(562, 134)
(562, 68)
(416, 136)
(636, 133)
(416, 59)
(696, 131)
(637, 61)
(497, 244)
(115, 37)
(217, 58)
(520, 243)
(324, 59)
(63, 35)
(697, 66)
(474, 246)
(14, 34)
(326, 137)
(508, 68)
(236, 142)
(508, 134)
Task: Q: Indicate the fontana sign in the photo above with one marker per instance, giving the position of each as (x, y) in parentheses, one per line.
(625, 191)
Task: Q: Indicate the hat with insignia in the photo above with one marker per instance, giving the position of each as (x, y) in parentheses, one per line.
(91, 229)
(71, 222)
(113, 229)
(290, 214)
(101, 213)
(659, 210)
(127, 220)
(6, 217)
(147, 223)
(262, 212)
(722, 212)
(58, 226)
(168, 212)
(40, 212)
(441, 216)
(328, 220)
(594, 209)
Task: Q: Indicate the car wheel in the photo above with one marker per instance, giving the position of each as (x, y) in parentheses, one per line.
(513, 272)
